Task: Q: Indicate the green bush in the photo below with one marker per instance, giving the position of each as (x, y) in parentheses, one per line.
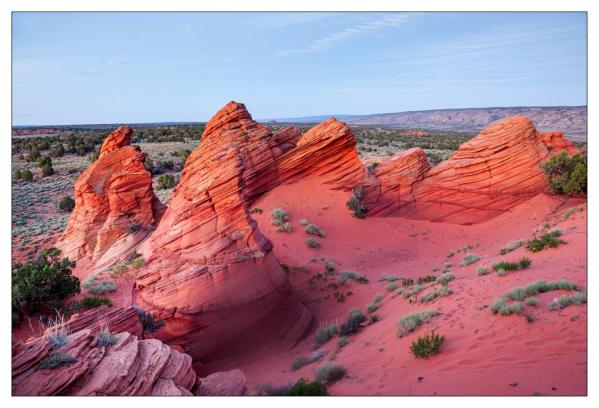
(567, 174)
(27, 175)
(166, 181)
(44, 161)
(522, 263)
(91, 302)
(482, 270)
(66, 204)
(42, 284)
(427, 345)
(47, 170)
(355, 203)
(548, 239)
(307, 389)
(564, 301)
(440, 292)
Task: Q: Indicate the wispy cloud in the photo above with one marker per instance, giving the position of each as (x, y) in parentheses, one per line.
(368, 27)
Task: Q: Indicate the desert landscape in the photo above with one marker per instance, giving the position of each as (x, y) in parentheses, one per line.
(239, 258)
(299, 204)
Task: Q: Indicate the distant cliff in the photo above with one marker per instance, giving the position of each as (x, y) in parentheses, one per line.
(572, 120)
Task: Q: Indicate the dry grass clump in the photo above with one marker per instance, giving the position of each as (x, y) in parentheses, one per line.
(412, 321)
(330, 373)
(511, 246)
(439, 292)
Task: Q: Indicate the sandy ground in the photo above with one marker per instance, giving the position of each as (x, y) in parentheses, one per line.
(483, 354)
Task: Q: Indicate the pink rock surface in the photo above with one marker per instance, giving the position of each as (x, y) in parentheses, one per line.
(227, 383)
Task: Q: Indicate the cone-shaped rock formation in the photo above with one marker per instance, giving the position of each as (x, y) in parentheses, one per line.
(115, 206)
(210, 274)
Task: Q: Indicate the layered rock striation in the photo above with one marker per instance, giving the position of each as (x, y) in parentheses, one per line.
(488, 175)
(210, 274)
(115, 206)
(84, 367)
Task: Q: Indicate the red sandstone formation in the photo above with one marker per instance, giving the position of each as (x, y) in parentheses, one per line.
(115, 206)
(390, 184)
(227, 383)
(488, 175)
(210, 274)
(328, 151)
(129, 367)
(287, 138)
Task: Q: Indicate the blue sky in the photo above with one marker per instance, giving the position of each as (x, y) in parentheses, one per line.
(71, 68)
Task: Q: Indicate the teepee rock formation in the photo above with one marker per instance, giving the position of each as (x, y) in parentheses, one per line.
(328, 151)
(488, 175)
(210, 274)
(115, 206)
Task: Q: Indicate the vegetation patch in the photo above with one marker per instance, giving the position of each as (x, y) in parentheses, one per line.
(66, 204)
(324, 334)
(149, 322)
(511, 246)
(445, 279)
(439, 292)
(303, 388)
(564, 301)
(412, 321)
(482, 270)
(355, 276)
(57, 359)
(330, 373)
(355, 203)
(547, 240)
(567, 175)
(523, 263)
(94, 285)
(427, 345)
(470, 258)
(353, 322)
(314, 230)
(303, 361)
(280, 220)
(312, 243)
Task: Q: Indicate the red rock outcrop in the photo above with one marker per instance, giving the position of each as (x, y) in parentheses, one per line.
(287, 138)
(221, 384)
(115, 206)
(210, 274)
(390, 184)
(129, 367)
(488, 175)
(328, 151)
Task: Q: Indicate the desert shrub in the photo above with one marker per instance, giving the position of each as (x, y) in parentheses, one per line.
(355, 276)
(501, 272)
(18, 174)
(166, 181)
(426, 279)
(355, 203)
(482, 270)
(105, 338)
(57, 150)
(57, 359)
(342, 342)
(445, 278)
(324, 334)
(412, 321)
(137, 263)
(279, 216)
(372, 166)
(427, 345)
(149, 322)
(353, 322)
(314, 230)
(312, 243)
(439, 292)
(330, 373)
(66, 204)
(372, 307)
(539, 286)
(568, 213)
(44, 161)
(531, 301)
(407, 281)
(378, 298)
(407, 292)
(302, 361)
(391, 286)
(502, 307)
(91, 302)
(27, 175)
(44, 283)
(329, 266)
(564, 301)
(93, 285)
(471, 258)
(272, 390)
(511, 246)
(57, 332)
(389, 278)
(284, 227)
(302, 388)
(522, 263)
(47, 170)
(547, 240)
(567, 174)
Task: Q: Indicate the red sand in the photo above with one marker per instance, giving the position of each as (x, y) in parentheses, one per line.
(483, 354)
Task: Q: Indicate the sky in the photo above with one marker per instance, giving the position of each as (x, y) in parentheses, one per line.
(82, 68)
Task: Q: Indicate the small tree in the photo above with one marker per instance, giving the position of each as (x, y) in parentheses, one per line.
(47, 170)
(42, 284)
(166, 181)
(567, 174)
(27, 175)
(66, 204)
